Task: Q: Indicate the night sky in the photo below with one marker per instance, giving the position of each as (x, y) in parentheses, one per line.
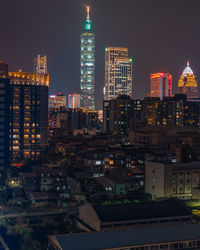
(161, 35)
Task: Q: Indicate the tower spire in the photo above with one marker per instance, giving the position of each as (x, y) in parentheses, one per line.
(88, 13)
(188, 63)
(88, 23)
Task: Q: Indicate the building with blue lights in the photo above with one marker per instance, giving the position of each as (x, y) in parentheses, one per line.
(87, 84)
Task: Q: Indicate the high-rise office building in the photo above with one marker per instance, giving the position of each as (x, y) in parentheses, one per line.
(28, 115)
(57, 101)
(187, 83)
(74, 101)
(87, 65)
(4, 120)
(40, 64)
(118, 73)
(161, 85)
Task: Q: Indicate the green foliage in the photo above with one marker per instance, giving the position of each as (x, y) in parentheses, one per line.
(126, 201)
(35, 237)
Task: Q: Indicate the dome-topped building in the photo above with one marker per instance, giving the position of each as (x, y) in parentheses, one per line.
(187, 70)
(187, 83)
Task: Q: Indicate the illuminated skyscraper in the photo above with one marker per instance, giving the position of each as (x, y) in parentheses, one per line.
(187, 83)
(28, 115)
(74, 101)
(118, 73)
(40, 64)
(87, 65)
(161, 85)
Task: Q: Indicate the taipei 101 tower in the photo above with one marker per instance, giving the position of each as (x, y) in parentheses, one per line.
(87, 65)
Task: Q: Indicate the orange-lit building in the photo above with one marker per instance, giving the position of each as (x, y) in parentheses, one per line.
(187, 83)
(40, 64)
(28, 116)
(161, 85)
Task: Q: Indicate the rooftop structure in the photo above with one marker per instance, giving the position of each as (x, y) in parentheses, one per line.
(171, 237)
(187, 71)
(187, 83)
(24, 78)
(115, 217)
(40, 64)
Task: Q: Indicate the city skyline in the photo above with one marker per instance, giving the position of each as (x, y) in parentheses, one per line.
(99, 124)
(166, 55)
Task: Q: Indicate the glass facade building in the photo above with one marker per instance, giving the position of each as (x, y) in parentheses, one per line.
(118, 73)
(87, 65)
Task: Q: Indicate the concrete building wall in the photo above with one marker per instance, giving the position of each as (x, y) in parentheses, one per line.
(180, 180)
(154, 179)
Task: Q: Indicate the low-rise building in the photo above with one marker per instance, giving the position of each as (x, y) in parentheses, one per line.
(178, 180)
(170, 237)
(113, 185)
(118, 217)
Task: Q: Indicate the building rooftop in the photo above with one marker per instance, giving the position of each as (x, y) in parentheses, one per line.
(108, 240)
(187, 166)
(25, 78)
(150, 210)
(168, 130)
(182, 165)
(187, 70)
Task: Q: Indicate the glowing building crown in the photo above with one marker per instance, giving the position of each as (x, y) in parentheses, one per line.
(88, 23)
(187, 70)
